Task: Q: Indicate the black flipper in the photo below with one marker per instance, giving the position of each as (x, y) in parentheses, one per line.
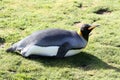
(63, 50)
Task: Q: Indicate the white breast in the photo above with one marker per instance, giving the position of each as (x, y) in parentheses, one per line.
(48, 51)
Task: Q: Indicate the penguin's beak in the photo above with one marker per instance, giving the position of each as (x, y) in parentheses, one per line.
(93, 26)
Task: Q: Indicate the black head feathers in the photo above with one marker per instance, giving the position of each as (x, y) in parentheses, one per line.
(86, 29)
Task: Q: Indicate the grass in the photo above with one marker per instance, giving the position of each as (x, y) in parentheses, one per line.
(100, 60)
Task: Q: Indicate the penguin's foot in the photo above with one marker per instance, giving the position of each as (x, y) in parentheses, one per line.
(24, 54)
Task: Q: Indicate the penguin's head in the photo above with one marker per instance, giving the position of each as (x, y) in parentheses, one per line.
(85, 30)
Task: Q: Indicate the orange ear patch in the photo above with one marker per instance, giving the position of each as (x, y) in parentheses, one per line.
(79, 33)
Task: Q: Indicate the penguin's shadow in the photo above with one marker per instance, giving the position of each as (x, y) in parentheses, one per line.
(82, 60)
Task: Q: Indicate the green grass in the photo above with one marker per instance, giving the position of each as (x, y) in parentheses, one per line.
(100, 60)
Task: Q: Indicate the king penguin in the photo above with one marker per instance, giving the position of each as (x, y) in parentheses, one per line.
(53, 42)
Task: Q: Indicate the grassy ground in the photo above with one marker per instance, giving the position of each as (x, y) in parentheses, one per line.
(100, 60)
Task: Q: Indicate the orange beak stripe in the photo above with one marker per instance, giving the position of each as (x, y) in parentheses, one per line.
(92, 27)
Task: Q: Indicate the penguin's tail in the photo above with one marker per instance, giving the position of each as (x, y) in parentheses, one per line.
(12, 48)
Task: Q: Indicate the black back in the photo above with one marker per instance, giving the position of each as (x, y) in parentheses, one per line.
(53, 37)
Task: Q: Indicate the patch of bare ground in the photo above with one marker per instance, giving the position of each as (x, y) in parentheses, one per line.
(81, 6)
(2, 41)
(103, 11)
(118, 46)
